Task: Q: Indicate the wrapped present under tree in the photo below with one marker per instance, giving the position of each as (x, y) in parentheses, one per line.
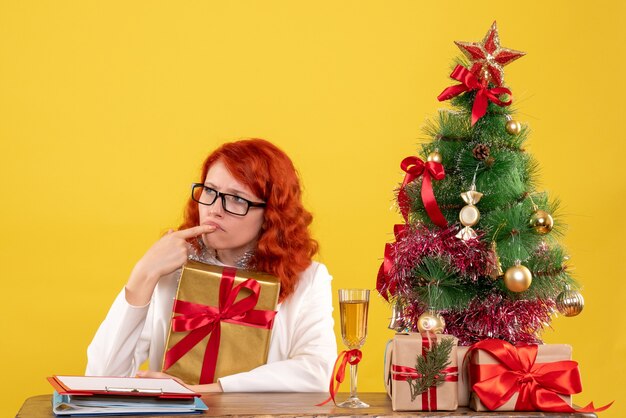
(527, 377)
(421, 372)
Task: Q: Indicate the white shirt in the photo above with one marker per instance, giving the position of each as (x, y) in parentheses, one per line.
(302, 346)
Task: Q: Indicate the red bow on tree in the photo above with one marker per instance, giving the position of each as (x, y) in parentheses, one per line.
(384, 282)
(414, 167)
(470, 82)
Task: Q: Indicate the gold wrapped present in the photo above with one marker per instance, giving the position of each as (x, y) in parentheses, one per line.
(221, 322)
(409, 387)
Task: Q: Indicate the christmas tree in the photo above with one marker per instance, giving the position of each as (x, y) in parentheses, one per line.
(478, 253)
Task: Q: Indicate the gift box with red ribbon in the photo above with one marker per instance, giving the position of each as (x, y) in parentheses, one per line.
(221, 322)
(463, 375)
(524, 377)
(402, 376)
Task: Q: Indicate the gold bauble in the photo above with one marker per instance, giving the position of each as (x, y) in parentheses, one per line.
(431, 321)
(435, 156)
(517, 278)
(541, 221)
(513, 127)
(570, 302)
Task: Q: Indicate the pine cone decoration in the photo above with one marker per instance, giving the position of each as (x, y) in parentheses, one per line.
(481, 152)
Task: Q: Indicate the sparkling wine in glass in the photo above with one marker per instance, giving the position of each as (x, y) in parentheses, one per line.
(353, 305)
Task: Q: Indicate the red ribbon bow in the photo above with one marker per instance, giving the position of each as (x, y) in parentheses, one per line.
(384, 284)
(339, 373)
(538, 385)
(470, 82)
(414, 167)
(202, 320)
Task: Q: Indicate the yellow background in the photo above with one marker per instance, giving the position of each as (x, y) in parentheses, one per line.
(107, 109)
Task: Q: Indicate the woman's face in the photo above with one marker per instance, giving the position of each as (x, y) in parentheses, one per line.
(234, 234)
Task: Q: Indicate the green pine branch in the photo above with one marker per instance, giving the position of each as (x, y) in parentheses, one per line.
(430, 367)
(437, 285)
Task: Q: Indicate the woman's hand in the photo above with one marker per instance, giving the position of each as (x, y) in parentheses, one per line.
(164, 257)
(206, 388)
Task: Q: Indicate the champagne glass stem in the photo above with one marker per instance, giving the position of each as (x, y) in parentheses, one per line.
(353, 370)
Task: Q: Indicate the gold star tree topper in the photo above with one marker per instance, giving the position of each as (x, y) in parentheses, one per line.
(488, 57)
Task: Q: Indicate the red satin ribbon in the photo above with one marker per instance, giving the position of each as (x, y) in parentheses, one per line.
(470, 82)
(538, 385)
(202, 320)
(402, 373)
(414, 167)
(384, 284)
(339, 373)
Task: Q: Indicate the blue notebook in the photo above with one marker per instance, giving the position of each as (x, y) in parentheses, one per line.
(71, 405)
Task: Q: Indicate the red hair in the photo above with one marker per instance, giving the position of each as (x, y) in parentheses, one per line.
(285, 247)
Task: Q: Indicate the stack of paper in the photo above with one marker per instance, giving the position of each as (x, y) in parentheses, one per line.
(82, 395)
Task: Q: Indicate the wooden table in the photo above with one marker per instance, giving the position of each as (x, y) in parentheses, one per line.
(296, 405)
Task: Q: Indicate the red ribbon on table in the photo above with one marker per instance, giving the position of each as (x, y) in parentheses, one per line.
(538, 385)
(339, 373)
(202, 320)
(414, 167)
(470, 82)
(384, 284)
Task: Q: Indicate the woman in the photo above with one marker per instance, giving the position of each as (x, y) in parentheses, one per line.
(247, 213)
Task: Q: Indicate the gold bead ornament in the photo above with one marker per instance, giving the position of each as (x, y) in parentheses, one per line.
(435, 156)
(541, 221)
(570, 302)
(512, 127)
(431, 321)
(517, 278)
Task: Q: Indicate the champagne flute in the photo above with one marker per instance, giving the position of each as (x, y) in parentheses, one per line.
(353, 305)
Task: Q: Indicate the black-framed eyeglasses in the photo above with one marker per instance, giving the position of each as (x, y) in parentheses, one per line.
(231, 203)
